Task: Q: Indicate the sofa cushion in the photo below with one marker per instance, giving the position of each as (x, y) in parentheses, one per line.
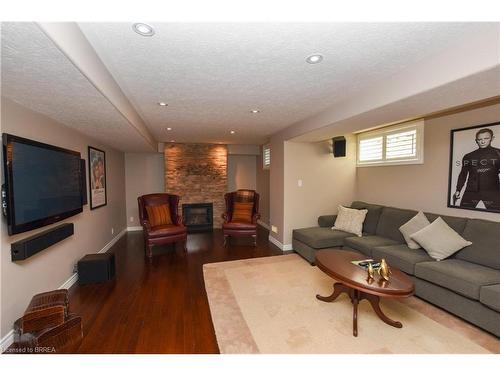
(166, 230)
(490, 296)
(390, 220)
(372, 217)
(327, 220)
(417, 222)
(350, 220)
(462, 277)
(320, 238)
(401, 257)
(365, 244)
(455, 223)
(439, 240)
(485, 238)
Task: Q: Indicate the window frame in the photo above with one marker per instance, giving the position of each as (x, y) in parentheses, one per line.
(390, 130)
(264, 148)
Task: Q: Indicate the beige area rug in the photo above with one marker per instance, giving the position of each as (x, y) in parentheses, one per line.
(268, 305)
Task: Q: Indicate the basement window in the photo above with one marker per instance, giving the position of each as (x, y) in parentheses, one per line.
(266, 157)
(392, 145)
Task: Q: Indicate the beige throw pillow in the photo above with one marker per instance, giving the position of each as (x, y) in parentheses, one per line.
(439, 240)
(350, 220)
(417, 222)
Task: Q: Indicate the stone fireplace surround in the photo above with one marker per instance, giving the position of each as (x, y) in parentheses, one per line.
(198, 174)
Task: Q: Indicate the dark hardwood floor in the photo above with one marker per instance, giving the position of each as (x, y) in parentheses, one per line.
(159, 306)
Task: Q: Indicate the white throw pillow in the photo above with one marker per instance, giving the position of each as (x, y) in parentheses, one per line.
(439, 240)
(350, 220)
(417, 222)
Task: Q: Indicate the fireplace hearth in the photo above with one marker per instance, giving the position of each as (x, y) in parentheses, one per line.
(198, 217)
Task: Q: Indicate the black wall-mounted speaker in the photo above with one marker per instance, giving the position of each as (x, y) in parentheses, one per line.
(23, 249)
(83, 181)
(339, 147)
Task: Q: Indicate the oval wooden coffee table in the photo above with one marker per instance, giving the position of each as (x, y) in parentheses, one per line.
(352, 279)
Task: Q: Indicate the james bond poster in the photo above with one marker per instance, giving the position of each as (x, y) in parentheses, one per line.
(474, 168)
(97, 178)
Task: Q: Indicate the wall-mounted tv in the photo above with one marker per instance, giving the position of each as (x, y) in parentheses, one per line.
(43, 183)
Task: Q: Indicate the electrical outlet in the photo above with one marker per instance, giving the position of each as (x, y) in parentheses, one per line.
(274, 228)
(112, 230)
(131, 219)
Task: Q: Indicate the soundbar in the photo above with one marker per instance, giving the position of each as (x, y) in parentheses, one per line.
(27, 247)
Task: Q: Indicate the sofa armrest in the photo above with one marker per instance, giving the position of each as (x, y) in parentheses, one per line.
(327, 220)
(40, 319)
(146, 225)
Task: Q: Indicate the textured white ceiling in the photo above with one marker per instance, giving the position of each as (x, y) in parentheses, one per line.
(38, 75)
(212, 75)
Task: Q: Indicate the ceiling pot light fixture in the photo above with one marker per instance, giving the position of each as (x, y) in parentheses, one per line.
(163, 104)
(255, 111)
(314, 59)
(232, 132)
(143, 29)
(169, 129)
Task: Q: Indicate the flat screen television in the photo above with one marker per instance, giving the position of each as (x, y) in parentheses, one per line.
(43, 183)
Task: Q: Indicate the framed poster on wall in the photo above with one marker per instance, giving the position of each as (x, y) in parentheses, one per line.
(474, 182)
(97, 178)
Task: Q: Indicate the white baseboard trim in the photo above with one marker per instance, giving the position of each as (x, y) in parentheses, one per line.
(113, 241)
(8, 339)
(282, 247)
(263, 224)
(133, 229)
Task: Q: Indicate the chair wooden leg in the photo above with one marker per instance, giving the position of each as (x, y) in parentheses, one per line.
(254, 240)
(150, 251)
(185, 245)
(225, 239)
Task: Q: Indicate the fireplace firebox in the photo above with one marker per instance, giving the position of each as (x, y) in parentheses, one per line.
(198, 217)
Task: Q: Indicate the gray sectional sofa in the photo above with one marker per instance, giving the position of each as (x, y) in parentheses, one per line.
(466, 284)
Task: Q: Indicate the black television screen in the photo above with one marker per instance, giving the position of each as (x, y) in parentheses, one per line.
(43, 183)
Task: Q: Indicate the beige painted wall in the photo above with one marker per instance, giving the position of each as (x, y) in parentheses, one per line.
(144, 174)
(263, 189)
(326, 182)
(424, 187)
(241, 172)
(50, 268)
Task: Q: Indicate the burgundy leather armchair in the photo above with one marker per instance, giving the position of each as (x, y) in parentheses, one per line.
(239, 228)
(161, 234)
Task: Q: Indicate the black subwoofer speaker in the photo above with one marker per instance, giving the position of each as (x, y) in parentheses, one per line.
(96, 268)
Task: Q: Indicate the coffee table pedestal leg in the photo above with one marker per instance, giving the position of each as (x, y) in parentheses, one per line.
(356, 296)
(338, 288)
(375, 302)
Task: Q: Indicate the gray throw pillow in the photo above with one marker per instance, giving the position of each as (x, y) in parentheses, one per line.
(417, 222)
(439, 240)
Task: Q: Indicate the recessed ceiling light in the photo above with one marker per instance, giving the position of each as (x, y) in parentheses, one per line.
(232, 132)
(314, 59)
(163, 104)
(255, 110)
(143, 29)
(172, 141)
(169, 129)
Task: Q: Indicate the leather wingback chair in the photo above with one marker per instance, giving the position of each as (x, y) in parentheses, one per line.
(161, 234)
(240, 228)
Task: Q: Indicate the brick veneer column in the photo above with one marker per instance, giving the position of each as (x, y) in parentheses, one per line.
(198, 174)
